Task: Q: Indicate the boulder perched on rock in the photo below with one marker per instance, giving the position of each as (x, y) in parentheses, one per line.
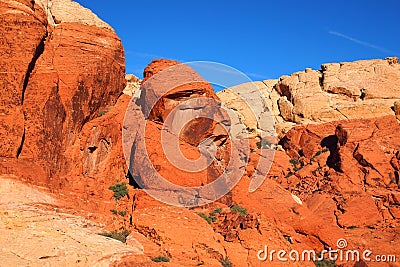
(178, 96)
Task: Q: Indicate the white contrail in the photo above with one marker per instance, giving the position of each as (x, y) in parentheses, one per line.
(381, 49)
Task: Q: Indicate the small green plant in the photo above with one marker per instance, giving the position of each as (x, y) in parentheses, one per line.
(225, 262)
(120, 190)
(160, 259)
(217, 210)
(122, 213)
(205, 217)
(296, 164)
(239, 209)
(102, 112)
(294, 161)
(212, 217)
(120, 236)
(290, 174)
(319, 153)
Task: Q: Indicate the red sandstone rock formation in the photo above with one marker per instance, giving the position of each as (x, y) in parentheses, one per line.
(352, 184)
(55, 78)
(180, 106)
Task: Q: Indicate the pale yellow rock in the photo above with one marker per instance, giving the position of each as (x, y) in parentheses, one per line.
(286, 108)
(299, 84)
(380, 78)
(31, 235)
(339, 91)
(306, 106)
(366, 109)
(249, 102)
(61, 11)
(132, 85)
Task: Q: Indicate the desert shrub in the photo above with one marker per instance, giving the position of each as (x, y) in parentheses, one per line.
(239, 209)
(319, 153)
(289, 174)
(294, 161)
(212, 216)
(117, 235)
(120, 190)
(205, 217)
(160, 259)
(122, 213)
(102, 112)
(217, 210)
(296, 164)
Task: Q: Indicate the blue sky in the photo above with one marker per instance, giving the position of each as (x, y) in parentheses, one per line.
(264, 39)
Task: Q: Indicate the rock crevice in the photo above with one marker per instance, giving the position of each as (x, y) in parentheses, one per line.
(31, 66)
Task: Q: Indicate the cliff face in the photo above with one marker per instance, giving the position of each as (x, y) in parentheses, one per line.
(60, 67)
(23, 30)
(339, 91)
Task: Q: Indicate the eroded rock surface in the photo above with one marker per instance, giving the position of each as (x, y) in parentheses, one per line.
(176, 107)
(56, 77)
(35, 232)
(348, 90)
(349, 178)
